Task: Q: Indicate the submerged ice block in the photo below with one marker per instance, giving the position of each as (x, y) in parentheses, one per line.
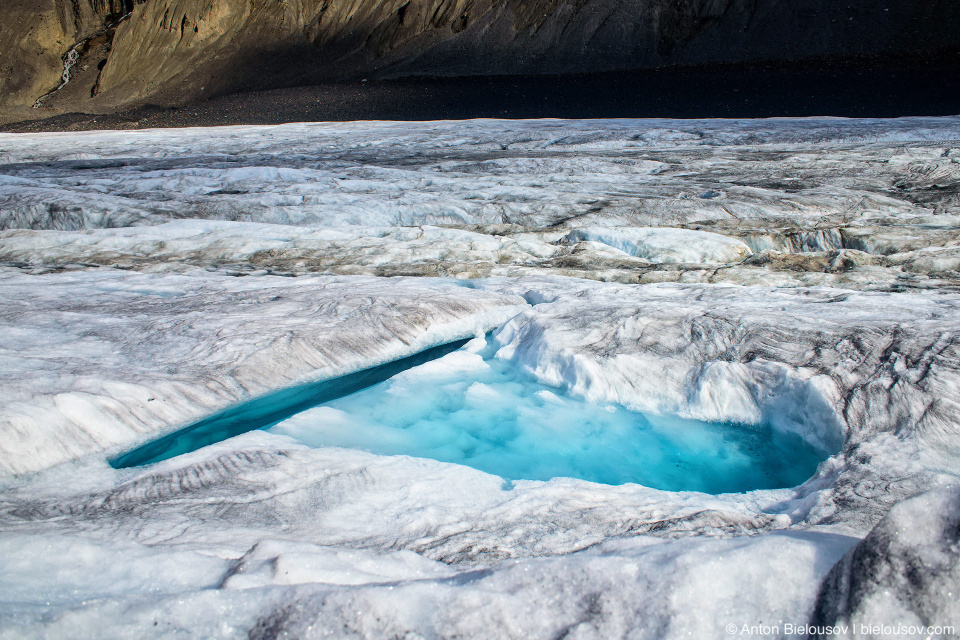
(471, 408)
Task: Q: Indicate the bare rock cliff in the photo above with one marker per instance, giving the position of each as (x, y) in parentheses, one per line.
(121, 53)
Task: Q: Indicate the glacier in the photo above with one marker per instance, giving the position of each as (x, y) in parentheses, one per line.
(800, 275)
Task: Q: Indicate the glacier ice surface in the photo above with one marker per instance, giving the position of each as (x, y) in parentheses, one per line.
(820, 298)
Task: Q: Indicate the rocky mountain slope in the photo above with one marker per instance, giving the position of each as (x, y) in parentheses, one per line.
(101, 55)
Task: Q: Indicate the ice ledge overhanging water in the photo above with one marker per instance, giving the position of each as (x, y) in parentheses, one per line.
(270, 409)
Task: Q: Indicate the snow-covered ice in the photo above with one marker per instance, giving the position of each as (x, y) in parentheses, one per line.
(799, 275)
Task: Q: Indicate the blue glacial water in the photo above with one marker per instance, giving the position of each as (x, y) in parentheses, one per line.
(269, 409)
(458, 403)
(470, 408)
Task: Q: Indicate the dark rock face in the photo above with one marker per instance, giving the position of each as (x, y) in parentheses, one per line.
(905, 572)
(170, 52)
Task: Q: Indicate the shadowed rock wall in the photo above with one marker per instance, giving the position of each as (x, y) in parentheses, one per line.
(171, 52)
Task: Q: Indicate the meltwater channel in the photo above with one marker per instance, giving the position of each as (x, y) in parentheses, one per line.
(459, 403)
